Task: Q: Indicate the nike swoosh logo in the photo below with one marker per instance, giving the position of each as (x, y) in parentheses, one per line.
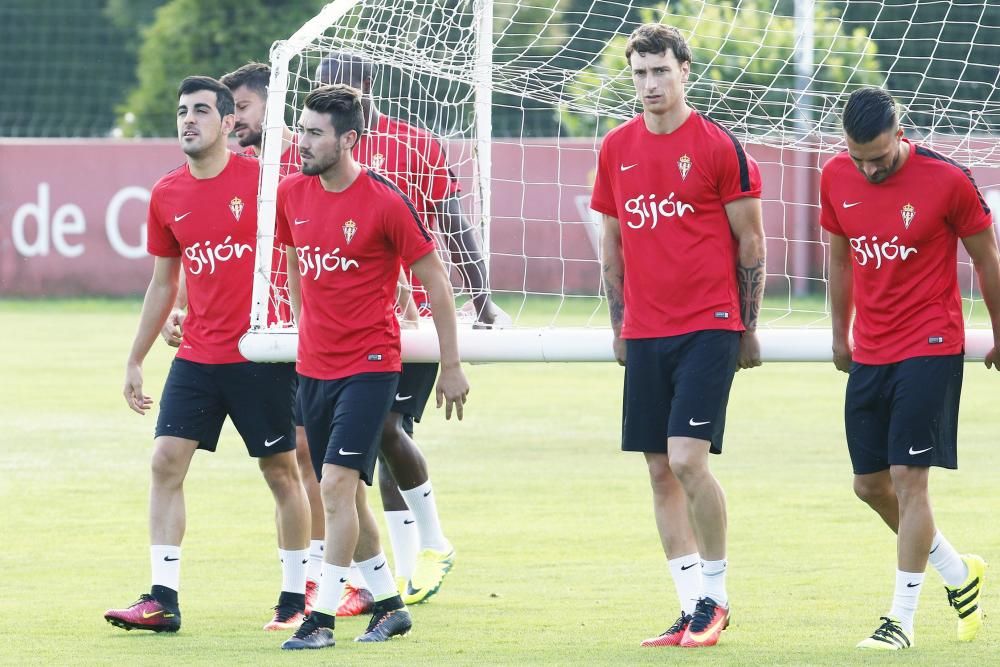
(403, 398)
(624, 168)
(919, 451)
(426, 493)
(688, 567)
(851, 205)
(707, 632)
(169, 559)
(343, 453)
(379, 567)
(151, 614)
(301, 222)
(268, 443)
(912, 585)
(343, 581)
(692, 422)
(410, 590)
(178, 218)
(407, 522)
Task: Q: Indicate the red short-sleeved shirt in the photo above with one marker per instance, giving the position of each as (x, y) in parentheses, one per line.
(669, 192)
(211, 224)
(349, 246)
(415, 162)
(904, 236)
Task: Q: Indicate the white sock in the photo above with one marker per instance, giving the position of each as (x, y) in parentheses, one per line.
(293, 569)
(166, 565)
(713, 581)
(904, 600)
(405, 541)
(315, 560)
(331, 588)
(420, 500)
(356, 578)
(947, 562)
(686, 572)
(378, 574)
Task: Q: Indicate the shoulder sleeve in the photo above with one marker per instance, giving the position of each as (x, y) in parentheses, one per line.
(282, 232)
(403, 227)
(737, 174)
(602, 199)
(969, 212)
(827, 211)
(160, 239)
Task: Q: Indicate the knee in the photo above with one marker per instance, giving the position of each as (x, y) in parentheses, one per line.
(385, 477)
(875, 492)
(688, 466)
(910, 482)
(661, 477)
(302, 447)
(281, 472)
(166, 466)
(392, 437)
(338, 488)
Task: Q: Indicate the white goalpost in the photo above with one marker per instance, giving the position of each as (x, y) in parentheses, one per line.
(520, 93)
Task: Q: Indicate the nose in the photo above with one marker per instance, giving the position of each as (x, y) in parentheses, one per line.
(870, 169)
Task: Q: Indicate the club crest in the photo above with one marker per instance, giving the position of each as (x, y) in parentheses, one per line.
(908, 213)
(377, 161)
(684, 165)
(236, 206)
(350, 228)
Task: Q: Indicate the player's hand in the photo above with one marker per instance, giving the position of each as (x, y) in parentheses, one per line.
(452, 390)
(172, 331)
(136, 400)
(618, 347)
(992, 359)
(842, 356)
(749, 356)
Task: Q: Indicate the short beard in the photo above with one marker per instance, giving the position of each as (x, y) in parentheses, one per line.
(252, 139)
(321, 167)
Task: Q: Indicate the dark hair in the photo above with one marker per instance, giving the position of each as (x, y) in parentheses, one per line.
(657, 38)
(358, 68)
(254, 76)
(223, 97)
(869, 112)
(342, 102)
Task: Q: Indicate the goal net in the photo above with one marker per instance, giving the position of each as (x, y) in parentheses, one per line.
(519, 95)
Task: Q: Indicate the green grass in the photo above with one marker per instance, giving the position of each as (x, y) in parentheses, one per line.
(558, 561)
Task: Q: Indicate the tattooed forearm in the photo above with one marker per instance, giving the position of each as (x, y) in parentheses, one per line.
(751, 282)
(613, 290)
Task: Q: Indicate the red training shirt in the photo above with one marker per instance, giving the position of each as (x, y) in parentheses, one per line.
(211, 224)
(668, 192)
(415, 162)
(904, 236)
(349, 246)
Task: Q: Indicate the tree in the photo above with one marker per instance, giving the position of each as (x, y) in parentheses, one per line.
(194, 37)
(743, 69)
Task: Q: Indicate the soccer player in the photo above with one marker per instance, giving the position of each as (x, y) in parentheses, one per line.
(347, 229)
(203, 216)
(415, 162)
(895, 212)
(683, 264)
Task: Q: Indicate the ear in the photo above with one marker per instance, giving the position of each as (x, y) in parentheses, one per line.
(685, 71)
(228, 123)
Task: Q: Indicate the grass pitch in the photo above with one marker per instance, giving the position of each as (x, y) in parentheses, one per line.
(558, 559)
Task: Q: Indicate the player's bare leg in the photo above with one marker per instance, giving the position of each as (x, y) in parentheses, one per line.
(670, 511)
(408, 468)
(317, 520)
(281, 472)
(706, 503)
(158, 610)
(876, 489)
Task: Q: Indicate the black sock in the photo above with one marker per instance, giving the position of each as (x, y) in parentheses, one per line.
(165, 596)
(293, 600)
(390, 604)
(322, 620)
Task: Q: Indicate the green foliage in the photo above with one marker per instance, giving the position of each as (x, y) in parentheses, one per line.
(743, 65)
(211, 38)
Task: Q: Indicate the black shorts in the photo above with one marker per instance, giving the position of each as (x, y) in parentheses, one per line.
(904, 413)
(297, 414)
(416, 383)
(257, 397)
(677, 386)
(344, 419)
